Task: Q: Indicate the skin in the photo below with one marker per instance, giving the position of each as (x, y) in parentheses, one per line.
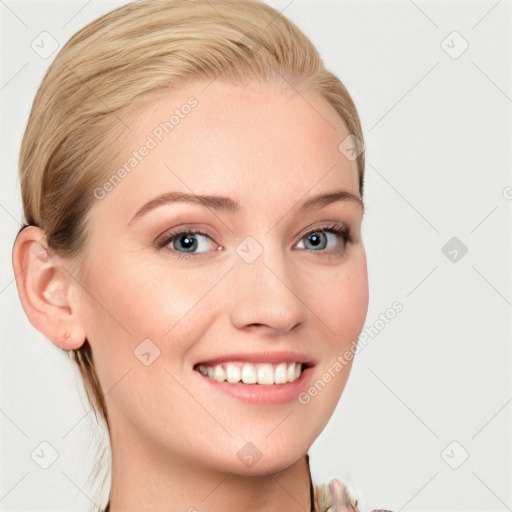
(175, 440)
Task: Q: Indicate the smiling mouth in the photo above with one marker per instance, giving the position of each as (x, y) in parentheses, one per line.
(253, 373)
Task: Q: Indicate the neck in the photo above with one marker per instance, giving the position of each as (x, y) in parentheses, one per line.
(147, 478)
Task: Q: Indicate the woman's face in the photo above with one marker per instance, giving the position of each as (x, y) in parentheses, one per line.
(265, 281)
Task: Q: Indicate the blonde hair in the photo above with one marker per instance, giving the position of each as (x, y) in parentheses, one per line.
(125, 57)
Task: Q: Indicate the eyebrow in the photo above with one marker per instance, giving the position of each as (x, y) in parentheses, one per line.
(223, 203)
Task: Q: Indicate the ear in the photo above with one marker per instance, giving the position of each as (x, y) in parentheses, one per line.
(47, 290)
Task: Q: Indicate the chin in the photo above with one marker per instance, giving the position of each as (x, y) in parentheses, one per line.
(268, 456)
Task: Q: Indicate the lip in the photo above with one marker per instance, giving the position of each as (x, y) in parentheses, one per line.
(262, 394)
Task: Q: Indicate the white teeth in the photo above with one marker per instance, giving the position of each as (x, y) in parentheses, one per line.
(219, 373)
(233, 373)
(264, 374)
(291, 372)
(281, 374)
(249, 375)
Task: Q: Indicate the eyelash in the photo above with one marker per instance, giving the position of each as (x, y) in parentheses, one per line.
(338, 229)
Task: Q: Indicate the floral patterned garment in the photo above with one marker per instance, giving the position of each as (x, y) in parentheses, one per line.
(335, 496)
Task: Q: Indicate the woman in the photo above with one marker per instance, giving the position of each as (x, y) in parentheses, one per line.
(192, 182)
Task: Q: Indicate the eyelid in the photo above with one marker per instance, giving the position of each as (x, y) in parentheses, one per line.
(325, 226)
(163, 239)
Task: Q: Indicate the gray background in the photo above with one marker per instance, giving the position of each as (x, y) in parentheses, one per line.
(432, 386)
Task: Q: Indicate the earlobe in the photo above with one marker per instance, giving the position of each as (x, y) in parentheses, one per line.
(45, 288)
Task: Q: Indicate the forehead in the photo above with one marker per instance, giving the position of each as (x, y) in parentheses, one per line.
(246, 142)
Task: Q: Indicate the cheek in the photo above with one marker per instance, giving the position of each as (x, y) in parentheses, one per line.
(352, 296)
(128, 301)
(342, 301)
(339, 297)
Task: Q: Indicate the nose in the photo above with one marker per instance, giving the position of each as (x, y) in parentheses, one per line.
(264, 295)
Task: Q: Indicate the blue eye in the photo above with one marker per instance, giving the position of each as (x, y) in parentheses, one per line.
(319, 238)
(189, 241)
(193, 242)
